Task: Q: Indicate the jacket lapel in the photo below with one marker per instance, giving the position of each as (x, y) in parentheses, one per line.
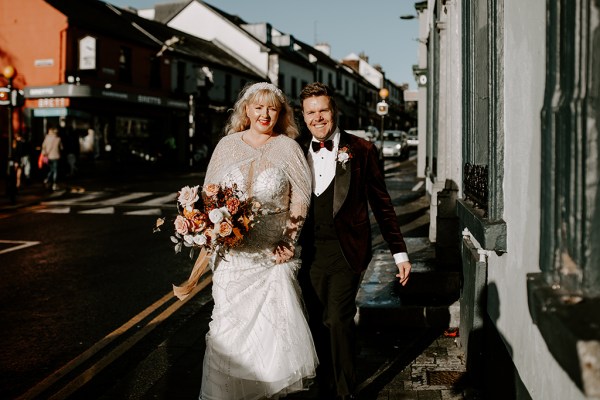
(342, 178)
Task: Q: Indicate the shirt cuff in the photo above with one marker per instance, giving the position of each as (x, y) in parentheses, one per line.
(400, 257)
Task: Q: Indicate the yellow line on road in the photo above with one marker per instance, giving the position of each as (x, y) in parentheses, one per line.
(87, 375)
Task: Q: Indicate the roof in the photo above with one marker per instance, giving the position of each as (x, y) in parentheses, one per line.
(124, 24)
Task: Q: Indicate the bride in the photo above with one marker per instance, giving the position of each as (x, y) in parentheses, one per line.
(259, 344)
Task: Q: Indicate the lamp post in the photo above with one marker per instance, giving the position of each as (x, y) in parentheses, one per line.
(11, 174)
(382, 109)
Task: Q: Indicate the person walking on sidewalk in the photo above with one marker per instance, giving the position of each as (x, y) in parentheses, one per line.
(51, 148)
(336, 240)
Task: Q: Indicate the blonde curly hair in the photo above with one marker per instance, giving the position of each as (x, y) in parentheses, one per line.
(267, 93)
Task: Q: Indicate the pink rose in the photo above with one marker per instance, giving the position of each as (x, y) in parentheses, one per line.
(211, 189)
(188, 196)
(182, 225)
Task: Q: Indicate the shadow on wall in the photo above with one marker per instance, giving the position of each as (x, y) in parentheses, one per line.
(489, 356)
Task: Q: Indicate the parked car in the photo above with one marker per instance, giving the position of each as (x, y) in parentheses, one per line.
(367, 135)
(412, 137)
(390, 134)
(394, 144)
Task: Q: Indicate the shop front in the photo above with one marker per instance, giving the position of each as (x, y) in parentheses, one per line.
(113, 129)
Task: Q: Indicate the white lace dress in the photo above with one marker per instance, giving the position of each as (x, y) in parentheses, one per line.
(259, 344)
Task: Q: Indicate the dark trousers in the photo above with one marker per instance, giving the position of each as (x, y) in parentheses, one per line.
(335, 285)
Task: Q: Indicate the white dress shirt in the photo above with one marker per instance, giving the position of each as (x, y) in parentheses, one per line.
(322, 166)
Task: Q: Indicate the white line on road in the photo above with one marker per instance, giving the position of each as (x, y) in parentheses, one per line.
(21, 244)
(103, 210)
(90, 196)
(417, 186)
(160, 200)
(56, 210)
(124, 198)
(150, 211)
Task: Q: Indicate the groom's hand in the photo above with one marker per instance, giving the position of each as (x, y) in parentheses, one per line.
(403, 272)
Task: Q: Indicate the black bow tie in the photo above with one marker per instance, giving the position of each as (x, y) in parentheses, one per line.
(316, 146)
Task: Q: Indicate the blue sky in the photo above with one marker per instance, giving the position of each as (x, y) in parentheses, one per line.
(349, 26)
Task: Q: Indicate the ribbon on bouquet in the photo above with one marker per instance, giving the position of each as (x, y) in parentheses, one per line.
(199, 269)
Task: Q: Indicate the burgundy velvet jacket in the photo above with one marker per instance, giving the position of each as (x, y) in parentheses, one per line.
(360, 185)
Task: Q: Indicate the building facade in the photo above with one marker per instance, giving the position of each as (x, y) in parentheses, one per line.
(512, 170)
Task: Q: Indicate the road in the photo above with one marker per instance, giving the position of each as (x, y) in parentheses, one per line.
(85, 280)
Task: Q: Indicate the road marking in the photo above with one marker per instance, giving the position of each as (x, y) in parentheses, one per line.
(102, 210)
(55, 210)
(160, 200)
(90, 196)
(87, 375)
(417, 186)
(21, 244)
(123, 199)
(150, 211)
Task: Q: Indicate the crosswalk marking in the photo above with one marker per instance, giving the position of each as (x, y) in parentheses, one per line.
(54, 210)
(149, 211)
(110, 203)
(101, 210)
(124, 198)
(160, 200)
(79, 199)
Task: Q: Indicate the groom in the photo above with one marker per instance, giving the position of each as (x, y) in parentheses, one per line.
(347, 178)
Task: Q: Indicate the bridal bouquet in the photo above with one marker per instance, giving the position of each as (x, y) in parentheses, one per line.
(212, 219)
(216, 221)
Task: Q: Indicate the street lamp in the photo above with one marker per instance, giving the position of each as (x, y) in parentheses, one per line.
(382, 109)
(11, 174)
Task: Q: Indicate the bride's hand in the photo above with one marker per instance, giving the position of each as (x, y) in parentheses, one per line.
(283, 252)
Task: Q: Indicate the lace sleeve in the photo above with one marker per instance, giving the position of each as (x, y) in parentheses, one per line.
(298, 173)
(217, 163)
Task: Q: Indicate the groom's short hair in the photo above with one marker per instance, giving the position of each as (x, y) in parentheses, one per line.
(316, 89)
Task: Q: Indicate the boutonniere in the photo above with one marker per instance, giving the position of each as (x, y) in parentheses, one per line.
(343, 156)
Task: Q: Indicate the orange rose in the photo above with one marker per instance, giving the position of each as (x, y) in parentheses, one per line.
(225, 228)
(233, 205)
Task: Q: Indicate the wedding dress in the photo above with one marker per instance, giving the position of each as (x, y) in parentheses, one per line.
(259, 344)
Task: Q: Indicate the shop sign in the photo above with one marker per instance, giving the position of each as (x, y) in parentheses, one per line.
(53, 102)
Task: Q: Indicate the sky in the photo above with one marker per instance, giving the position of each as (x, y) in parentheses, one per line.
(349, 26)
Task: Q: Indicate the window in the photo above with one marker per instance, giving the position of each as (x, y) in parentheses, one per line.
(569, 280)
(570, 167)
(155, 79)
(281, 82)
(294, 87)
(125, 64)
(228, 88)
(483, 137)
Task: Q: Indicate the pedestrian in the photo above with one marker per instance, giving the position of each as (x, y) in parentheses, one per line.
(51, 148)
(346, 179)
(259, 344)
(72, 149)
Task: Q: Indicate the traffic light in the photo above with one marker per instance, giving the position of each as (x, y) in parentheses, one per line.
(4, 96)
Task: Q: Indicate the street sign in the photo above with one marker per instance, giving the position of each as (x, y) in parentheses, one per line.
(382, 108)
(4, 96)
(17, 98)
